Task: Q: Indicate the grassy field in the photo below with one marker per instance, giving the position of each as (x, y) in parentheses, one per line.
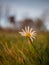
(17, 50)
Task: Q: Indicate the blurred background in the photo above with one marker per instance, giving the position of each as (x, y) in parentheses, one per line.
(19, 50)
(16, 14)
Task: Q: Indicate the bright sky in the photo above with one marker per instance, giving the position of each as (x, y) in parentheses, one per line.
(26, 8)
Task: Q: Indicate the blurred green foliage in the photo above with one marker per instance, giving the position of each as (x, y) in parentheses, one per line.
(16, 50)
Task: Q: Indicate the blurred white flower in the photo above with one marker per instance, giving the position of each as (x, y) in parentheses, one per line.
(27, 32)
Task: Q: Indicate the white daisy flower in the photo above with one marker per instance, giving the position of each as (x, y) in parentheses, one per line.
(27, 32)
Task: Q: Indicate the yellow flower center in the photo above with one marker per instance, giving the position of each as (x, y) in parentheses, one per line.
(28, 34)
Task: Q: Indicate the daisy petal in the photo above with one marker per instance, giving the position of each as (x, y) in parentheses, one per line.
(22, 33)
(34, 32)
(25, 29)
(31, 39)
(31, 30)
(28, 28)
